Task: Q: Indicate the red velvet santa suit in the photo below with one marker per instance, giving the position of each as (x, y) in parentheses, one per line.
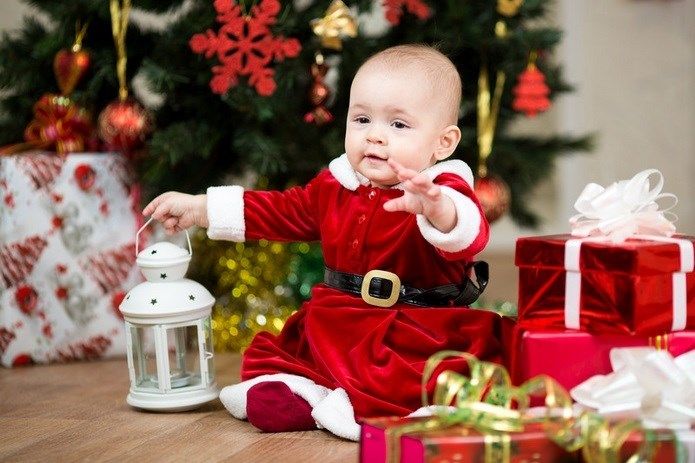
(336, 339)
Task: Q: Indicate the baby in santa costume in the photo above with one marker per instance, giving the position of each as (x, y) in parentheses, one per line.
(358, 346)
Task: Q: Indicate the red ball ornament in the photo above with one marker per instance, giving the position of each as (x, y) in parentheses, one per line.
(27, 299)
(85, 176)
(494, 195)
(124, 125)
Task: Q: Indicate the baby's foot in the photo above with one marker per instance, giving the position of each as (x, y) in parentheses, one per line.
(271, 406)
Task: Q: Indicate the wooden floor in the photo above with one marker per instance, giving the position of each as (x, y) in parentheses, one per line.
(77, 412)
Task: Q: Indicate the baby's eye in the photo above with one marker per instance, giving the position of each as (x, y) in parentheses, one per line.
(400, 125)
(361, 119)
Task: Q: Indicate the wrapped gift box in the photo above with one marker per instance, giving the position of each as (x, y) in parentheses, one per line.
(636, 287)
(668, 449)
(572, 357)
(459, 443)
(67, 255)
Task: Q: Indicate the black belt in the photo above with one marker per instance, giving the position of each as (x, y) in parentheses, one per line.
(383, 289)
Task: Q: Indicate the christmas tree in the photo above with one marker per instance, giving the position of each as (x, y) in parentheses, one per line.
(27, 58)
(202, 134)
(259, 88)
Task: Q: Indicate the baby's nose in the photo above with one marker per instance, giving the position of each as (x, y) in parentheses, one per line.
(376, 136)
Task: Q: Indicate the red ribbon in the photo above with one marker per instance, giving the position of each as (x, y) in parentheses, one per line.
(59, 125)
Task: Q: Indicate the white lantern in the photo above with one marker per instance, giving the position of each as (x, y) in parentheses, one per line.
(168, 332)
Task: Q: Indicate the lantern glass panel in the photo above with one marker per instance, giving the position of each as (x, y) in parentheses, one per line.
(184, 356)
(207, 329)
(144, 358)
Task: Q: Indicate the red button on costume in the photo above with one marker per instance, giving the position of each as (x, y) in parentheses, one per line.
(336, 339)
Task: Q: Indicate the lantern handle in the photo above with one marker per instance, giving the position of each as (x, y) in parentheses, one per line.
(137, 238)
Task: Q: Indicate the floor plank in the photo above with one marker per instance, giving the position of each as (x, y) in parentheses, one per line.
(77, 411)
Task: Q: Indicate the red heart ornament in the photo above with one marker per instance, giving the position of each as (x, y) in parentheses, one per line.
(69, 67)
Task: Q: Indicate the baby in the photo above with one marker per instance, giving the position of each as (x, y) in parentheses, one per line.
(398, 232)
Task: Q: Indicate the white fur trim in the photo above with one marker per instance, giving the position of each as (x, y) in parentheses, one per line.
(234, 397)
(336, 415)
(344, 173)
(351, 179)
(332, 410)
(226, 213)
(466, 229)
(452, 166)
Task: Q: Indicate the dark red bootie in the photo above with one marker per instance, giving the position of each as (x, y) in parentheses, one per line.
(271, 406)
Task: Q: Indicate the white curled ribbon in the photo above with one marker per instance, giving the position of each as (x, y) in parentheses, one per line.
(625, 208)
(646, 384)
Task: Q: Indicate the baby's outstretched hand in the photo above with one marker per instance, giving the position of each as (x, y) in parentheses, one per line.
(422, 196)
(178, 211)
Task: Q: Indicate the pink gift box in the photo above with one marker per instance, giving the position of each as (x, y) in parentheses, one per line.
(458, 443)
(572, 357)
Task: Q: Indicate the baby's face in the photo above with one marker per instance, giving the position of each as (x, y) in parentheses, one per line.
(393, 114)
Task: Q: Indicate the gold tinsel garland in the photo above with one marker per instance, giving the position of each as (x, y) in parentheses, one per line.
(252, 284)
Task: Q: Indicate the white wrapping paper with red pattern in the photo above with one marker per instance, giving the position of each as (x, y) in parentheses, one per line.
(67, 255)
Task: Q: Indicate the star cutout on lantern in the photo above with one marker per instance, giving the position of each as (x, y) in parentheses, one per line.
(191, 297)
(245, 46)
(153, 301)
(163, 276)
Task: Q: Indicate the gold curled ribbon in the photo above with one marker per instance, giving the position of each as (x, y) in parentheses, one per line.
(120, 13)
(484, 400)
(336, 23)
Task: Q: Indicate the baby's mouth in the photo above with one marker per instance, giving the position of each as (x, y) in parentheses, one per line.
(374, 157)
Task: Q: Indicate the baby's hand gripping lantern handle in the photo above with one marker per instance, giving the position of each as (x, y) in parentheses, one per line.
(137, 238)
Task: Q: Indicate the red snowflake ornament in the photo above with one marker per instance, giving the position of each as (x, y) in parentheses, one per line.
(245, 46)
(393, 10)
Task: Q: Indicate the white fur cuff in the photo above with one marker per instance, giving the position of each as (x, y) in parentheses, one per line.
(226, 213)
(332, 410)
(466, 229)
(336, 415)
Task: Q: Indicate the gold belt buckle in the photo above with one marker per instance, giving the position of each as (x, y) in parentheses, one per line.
(379, 302)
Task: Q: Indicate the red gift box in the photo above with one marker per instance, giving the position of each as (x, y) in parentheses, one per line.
(641, 286)
(668, 448)
(571, 357)
(459, 443)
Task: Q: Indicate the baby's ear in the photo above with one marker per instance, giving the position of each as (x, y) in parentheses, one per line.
(449, 139)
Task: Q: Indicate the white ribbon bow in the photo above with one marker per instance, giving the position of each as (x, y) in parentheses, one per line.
(623, 209)
(646, 384)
